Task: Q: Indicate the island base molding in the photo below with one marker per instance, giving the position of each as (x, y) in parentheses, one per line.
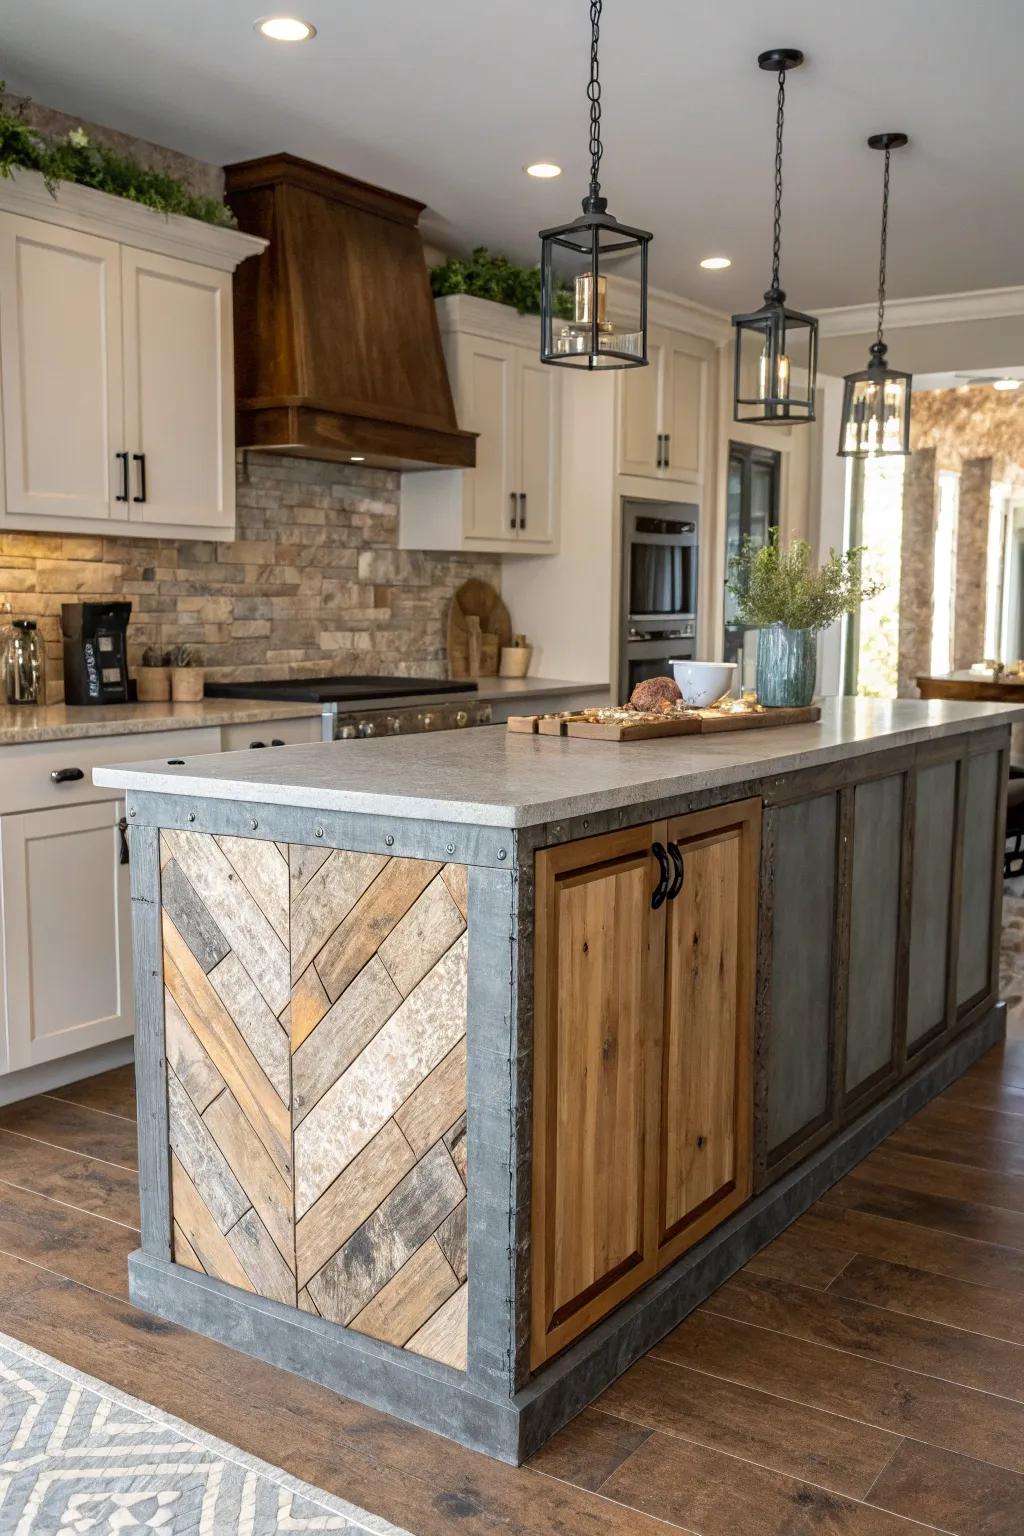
(440, 1399)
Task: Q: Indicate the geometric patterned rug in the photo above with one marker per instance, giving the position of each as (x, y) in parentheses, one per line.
(79, 1458)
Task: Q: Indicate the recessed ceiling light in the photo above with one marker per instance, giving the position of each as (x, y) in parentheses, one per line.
(286, 29)
(543, 169)
(715, 263)
(357, 458)
(1007, 384)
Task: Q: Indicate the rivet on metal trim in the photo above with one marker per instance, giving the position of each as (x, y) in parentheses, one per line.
(191, 815)
(319, 831)
(449, 847)
(502, 854)
(254, 823)
(132, 811)
(389, 841)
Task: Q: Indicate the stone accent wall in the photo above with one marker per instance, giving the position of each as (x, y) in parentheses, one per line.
(314, 583)
(917, 570)
(971, 561)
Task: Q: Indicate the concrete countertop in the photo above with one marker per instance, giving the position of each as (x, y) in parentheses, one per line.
(489, 777)
(65, 722)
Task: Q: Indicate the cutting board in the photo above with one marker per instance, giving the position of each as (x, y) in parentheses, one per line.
(477, 603)
(649, 727)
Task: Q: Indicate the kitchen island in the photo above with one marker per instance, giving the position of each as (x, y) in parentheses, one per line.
(468, 1064)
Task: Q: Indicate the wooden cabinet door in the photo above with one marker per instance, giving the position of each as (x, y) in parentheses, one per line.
(538, 450)
(179, 403)
(683, 409)
(701, 1134)
(640, 413)
(61, 362)
(485, 388)
(66, 925)
(599, 963)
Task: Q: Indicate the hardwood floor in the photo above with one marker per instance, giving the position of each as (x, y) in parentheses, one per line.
(862, 1376)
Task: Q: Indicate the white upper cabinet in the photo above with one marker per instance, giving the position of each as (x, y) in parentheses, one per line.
(60, 359)
(116, 366)
(179, 397)
(503, 392)
(663, 409)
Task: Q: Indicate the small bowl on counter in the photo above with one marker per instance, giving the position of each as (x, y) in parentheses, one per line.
(703, 683)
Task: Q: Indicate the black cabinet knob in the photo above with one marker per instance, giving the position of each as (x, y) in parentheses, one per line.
(66, 775)
(256, 744)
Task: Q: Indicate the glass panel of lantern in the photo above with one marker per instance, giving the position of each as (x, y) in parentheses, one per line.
(776, 361)
(876, 408)
(577, 327)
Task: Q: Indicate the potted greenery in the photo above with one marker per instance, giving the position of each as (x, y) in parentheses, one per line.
(778, 592)
(153, 679)
(186, 675)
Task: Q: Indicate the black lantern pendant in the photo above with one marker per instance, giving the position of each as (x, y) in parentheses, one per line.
(876, 402)
(775, 345)
(584, 336)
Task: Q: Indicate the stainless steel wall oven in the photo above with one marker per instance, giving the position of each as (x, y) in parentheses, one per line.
(659, 588)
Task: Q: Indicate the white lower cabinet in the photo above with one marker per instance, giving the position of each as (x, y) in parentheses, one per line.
(66, 932)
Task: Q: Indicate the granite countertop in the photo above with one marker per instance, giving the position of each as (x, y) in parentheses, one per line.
(64, 722)
(489, 777)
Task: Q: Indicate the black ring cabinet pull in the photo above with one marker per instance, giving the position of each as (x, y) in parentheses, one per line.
(66, 775)
(122, 459)
(661, 889)
(675, 852)
(140, 460)
(122, 827)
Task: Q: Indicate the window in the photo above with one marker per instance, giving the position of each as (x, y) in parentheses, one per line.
(751, 507)
(944, 580)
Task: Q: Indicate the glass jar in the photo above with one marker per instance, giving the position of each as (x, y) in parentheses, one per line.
(24, 664)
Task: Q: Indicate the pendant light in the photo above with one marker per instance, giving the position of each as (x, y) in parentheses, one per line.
(589, 339)
(876, 402)
(774, 344)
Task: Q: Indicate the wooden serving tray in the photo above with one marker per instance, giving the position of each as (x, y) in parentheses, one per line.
(648, 727)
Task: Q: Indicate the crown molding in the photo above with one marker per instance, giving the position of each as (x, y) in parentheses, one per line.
(117, 218)
(669, 310)
(941, 309)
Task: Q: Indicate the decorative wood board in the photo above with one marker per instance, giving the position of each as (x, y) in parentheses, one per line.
(316, 1044)
(647, 728)
(479, 600)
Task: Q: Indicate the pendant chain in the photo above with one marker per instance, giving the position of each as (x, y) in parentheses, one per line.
(777, 235)
(885, 239)
(594, 97)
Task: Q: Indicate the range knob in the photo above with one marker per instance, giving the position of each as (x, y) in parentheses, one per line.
(394, 724)
(428, 721)
(461, 717)
(367, 727)
(346, 732)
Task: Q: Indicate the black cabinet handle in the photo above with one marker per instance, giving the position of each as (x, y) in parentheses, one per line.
(122, 827)
(277, 742)
(140, 459)
(513, 497)
(661, 889)
(668, 439)
(66, 775)
(522, 509)
(676, 855)
(256, 744)
(122, 458)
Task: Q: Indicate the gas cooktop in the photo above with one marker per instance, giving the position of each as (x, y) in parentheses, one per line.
(340, 690)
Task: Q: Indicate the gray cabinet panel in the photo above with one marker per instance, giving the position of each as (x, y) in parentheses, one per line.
(930, 899)
(801, 987)
(974, 954)
(874, 925)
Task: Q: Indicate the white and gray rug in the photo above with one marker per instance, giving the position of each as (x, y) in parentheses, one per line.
(79, 1458)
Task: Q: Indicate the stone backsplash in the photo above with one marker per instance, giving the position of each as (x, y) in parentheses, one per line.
(313, 584)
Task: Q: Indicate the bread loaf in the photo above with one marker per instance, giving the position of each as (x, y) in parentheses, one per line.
(655, 692)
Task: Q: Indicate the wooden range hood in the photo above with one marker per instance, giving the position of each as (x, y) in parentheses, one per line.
(337, 347)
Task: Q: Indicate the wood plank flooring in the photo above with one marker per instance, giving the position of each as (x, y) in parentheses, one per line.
(862, 1376)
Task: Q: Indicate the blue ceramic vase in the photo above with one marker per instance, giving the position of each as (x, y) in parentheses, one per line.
(787, 666)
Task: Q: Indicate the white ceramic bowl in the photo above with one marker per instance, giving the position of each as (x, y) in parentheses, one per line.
(703, 682)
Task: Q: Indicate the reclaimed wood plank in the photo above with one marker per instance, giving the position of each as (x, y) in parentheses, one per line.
(420, 938)
(417, 1036)
(202, 1159)
(345, 1028)
(424, 1283)
(186, 1058)
(191, 916)
(324, 901)
(444, 1336)
(183, 1251)
(261, 1259)
(309, 1004)
(259, 1176)
(435, 1106)
(303, 863)
(456, 1142)
(353, 1196)
(264, 873)
(456, 878)
(246, 928)
(344, 953)
(205, 1238)
(789, 1437)
(102, 1189)
(919, 1293)
(258, 1027)
(375, 1252)
(191, 989)
(912, 1343)
(453, 1240)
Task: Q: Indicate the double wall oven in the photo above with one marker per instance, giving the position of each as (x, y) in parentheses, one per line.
(659, 588)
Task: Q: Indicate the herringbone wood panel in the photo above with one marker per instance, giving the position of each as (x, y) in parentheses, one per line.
(315, 1028)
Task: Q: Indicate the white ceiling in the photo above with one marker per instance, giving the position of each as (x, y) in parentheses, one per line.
(446, 101)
